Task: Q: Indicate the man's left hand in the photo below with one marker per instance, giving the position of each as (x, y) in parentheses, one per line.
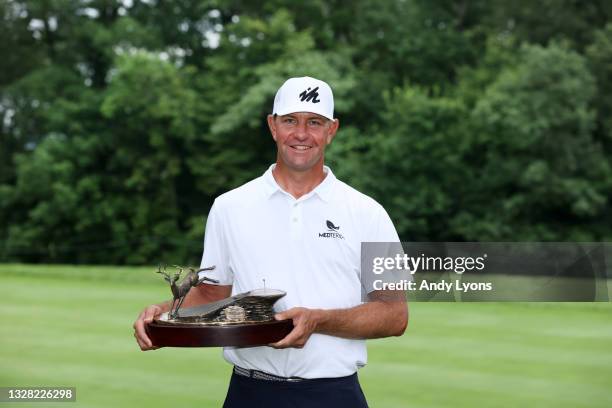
(304, 324)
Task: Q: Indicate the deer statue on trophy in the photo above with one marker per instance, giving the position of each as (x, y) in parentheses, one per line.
(179, 291)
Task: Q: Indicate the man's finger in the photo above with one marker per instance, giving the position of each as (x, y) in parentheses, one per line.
(289, 339)
(288, 314)
(150, 314)
(140, 344)
(140, 332)
(286, 343)
(143, 340)
(138, 319)
(283, 343)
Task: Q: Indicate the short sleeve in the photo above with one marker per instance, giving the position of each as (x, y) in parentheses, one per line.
(382, 229)
(381, 242)
(215, 248)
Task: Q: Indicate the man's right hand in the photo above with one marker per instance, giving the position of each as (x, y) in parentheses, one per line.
(204, 293)
(145, 317)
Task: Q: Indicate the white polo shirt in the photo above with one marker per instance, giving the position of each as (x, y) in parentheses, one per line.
(309, 248)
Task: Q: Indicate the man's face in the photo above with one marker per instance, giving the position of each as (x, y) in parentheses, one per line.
(301, 138)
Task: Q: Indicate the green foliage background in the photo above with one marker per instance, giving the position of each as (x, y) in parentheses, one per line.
(121, 121)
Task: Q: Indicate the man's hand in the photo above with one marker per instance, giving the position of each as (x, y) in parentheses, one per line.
(146, 316)
(304, 324)
(385, 315)
(198, 295)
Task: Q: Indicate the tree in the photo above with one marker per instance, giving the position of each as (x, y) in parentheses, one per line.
(414, 163)
(467, 119)
(534, 155)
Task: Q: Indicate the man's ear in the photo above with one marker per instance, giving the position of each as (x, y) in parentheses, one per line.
(333, 128)
(272, 126)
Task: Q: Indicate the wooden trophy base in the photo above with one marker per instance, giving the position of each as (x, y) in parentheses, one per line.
(166, 334)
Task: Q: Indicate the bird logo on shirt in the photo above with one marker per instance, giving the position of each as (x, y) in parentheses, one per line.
(331, 226)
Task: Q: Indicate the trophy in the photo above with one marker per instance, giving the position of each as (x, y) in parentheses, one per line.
(242, 320)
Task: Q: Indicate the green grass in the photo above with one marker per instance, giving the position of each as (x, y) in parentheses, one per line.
(72, 326)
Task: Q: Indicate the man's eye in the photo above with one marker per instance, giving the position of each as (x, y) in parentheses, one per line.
(315, 123)
(288, 121)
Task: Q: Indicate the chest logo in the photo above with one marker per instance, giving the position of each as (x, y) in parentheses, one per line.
(331, 226)
(332, 231)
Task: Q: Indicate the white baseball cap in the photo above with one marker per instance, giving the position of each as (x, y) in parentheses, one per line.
(304, 94)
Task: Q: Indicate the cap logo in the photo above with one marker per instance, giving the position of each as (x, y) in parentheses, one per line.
(309, 95)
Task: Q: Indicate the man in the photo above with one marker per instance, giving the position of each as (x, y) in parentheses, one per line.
(300, 229)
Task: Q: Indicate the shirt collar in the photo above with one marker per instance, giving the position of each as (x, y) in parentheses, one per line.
(323, 190)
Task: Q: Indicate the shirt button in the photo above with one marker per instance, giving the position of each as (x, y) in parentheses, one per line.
(295, 219)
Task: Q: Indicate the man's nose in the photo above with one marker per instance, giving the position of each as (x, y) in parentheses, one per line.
(301, 131)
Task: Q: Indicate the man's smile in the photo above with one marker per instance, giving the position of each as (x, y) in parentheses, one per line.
(301, 147)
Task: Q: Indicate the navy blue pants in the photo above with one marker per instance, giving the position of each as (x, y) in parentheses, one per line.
(339, 392)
